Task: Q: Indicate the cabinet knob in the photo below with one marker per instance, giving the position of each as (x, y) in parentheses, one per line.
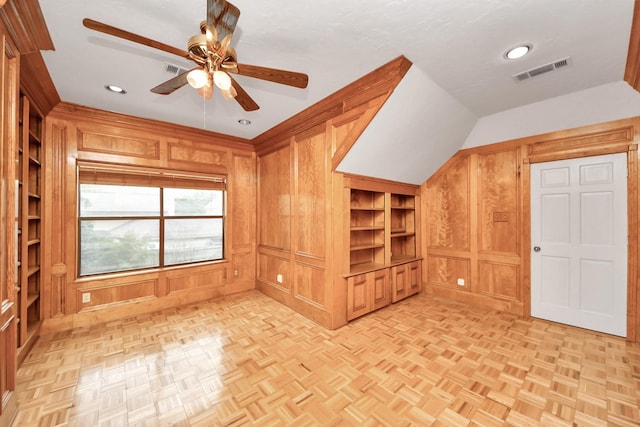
(536, 248)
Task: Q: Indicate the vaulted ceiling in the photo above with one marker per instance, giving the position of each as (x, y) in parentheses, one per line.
(459, 73)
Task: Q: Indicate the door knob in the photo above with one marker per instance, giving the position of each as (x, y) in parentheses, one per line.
(536, 248)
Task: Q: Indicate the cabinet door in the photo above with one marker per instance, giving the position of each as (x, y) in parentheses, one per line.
(415, 277)
(358, 296)
(399, 282)
(380, 289)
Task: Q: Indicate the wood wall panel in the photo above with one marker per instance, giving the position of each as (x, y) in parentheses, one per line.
(497, 179)
(497, 279)
(181, 151)
(449, 207)
(75, 133)
(499, 202)
(107, 143)
(243, 266)
(275, 199)
(117, 293)
(191, 281)
(269, 267)
(311, 195)
(445, 271)
(311, 285)
(54, 254)
(300, 196)
(242, 203)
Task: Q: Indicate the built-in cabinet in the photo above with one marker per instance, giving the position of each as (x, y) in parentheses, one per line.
(28, 229)
(383, 265)
(406, 280)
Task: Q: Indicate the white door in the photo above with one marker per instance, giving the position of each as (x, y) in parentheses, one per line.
(579, 242)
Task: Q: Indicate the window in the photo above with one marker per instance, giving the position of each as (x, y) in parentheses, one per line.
(132, 219)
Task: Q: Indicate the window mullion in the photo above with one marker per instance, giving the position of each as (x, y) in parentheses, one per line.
(161, 254)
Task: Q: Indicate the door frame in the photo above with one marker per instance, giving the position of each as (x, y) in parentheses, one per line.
(608, 138)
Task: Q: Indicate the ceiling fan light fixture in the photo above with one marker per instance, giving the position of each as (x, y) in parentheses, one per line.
(222, 79)
(518, 51)
(197, 78)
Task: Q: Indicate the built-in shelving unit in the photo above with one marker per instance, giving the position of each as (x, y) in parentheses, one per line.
(28, 230)
(367, 228)
(403, 230)
(384, 265)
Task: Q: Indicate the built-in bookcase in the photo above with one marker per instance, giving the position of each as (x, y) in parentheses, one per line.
(28, 225)
(367, 230)
(384, 265)
(403, 228)
(382, 229)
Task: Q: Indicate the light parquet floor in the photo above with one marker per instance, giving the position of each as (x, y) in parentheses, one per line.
(248, 360)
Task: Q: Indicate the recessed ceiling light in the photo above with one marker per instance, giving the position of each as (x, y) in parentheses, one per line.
(116, 89)
(244, 122)
(518, 51)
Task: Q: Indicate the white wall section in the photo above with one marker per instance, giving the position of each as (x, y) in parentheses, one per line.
(418, 129)
(599, 104)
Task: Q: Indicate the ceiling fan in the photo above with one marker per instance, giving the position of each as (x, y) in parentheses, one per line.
(214, 57)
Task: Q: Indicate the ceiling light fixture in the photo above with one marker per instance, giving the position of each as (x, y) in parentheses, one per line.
(244, 122)
(518, 51)
(198, 78)
(115, 89)
(222, 79)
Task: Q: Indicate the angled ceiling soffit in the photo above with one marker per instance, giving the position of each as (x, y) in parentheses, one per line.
(369, 91)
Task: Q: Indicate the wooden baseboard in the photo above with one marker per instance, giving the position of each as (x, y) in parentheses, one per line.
(494, 303)
(108, 314)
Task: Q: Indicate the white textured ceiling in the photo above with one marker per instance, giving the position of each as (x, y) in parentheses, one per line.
(458, 44)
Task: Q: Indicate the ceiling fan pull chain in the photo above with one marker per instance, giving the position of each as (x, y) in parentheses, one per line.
(204, 113)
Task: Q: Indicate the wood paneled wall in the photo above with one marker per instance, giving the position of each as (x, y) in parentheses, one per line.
(300, 210)
(477, 226)
(77, 133)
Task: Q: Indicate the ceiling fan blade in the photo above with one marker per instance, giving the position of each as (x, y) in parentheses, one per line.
(223, 16)
(171, 85)
(229, 93)
(243, 98)
(290, 78)
(123, 34)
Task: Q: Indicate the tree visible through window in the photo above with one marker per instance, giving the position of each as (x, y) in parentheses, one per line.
(129, 227)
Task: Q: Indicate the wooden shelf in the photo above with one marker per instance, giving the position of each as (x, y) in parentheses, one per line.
(402, 234)
(31, 298)
(358, 208)
(365, 247)
(32, 270)
(368, 228)
(364, 268)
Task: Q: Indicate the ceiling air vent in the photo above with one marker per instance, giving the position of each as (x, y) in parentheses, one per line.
(552, 66)
(175, 70)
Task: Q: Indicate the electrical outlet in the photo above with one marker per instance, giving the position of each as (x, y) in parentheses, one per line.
(279, 278)
(460, 282)
(235, 272)
(86, 297)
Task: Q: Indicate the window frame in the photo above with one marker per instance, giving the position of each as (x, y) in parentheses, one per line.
(119, 175)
